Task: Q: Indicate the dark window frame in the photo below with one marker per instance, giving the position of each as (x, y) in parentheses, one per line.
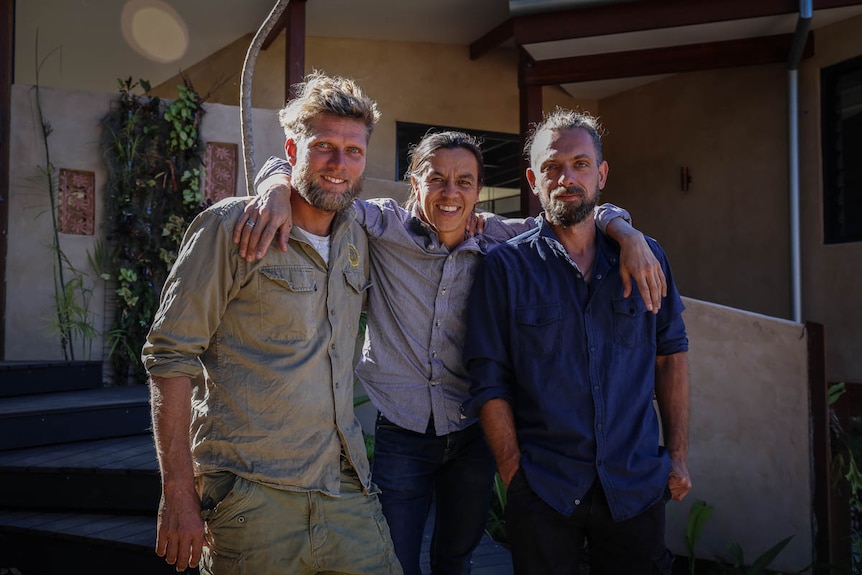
(841, 146)
(501, 150)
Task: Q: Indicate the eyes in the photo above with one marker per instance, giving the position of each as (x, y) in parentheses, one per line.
(436, 180)
(328, 147)
(551, 167)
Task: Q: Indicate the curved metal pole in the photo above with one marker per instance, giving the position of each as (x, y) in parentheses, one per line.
(245, 90)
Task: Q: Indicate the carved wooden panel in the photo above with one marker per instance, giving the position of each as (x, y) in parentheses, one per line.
(220, 174)
(77, 202)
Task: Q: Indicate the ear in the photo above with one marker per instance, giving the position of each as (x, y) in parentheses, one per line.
(603, 174)
(531, 179)
(414, 188)
(290, 151)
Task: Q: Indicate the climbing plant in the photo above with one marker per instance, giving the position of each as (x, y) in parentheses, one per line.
(153, 154)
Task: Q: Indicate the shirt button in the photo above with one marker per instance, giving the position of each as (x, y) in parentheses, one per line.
(599, 276)
(332, 346)
(433, 354)
(599, 462)
(592, 349)
(577, 501)
(596, 388)
(599, 426)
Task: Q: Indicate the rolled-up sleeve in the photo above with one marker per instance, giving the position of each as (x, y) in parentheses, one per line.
(486, 350)
(193, 299)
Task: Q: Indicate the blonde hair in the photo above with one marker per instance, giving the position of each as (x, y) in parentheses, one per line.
(333, 95)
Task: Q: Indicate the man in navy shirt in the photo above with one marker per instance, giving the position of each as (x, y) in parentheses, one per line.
(565, 371)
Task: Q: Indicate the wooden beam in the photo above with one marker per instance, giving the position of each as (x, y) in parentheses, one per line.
(618, 18)
(294, 46)
(530, 100)
(673, 59)
(7, 67)
(491, 40)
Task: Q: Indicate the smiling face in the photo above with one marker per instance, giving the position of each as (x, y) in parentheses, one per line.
(446, 190)
(328, 164)
(566, 174)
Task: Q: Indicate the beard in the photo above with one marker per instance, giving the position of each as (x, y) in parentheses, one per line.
(317, 196)
(567, 214)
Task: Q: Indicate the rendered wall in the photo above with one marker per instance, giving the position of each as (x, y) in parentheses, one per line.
(728, 237)
(749, 436)
(74, 144)
(434, 84)
(831, 274)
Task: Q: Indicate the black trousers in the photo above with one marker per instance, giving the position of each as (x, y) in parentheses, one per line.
(545, 542)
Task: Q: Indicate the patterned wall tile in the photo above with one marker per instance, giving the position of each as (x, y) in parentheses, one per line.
(220, 174)
(77, 210)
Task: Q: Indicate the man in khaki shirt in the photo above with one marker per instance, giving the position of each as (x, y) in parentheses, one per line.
(262, 460)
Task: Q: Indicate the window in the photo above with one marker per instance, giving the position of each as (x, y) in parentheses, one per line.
(841, 99)
(502, 153)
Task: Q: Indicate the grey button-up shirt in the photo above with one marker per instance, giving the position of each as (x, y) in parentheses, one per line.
(269, 347)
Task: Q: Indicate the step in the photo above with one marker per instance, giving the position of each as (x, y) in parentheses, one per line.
(45, 419)
(105, 475)
(47, 543)
(28, 377)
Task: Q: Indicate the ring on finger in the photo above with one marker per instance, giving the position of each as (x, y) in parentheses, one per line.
(250, 223)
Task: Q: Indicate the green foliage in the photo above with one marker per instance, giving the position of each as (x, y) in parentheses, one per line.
(153, 155)
(71, 320)
(846, 452)
(698, 515)
(738, 565)
(496, 524)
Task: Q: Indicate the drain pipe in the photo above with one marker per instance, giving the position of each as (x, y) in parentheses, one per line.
(803, 23)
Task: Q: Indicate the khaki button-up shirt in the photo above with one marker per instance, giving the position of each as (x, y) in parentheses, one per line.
(269, 347)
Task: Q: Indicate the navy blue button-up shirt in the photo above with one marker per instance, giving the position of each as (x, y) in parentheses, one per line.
(576, 361)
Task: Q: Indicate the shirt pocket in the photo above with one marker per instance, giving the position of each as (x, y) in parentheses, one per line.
(630, 321)
(538, 330)
(356, 280)
(287, 302)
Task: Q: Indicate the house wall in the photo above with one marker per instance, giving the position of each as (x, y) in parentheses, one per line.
(831, 274)
(411, 82)
(74, 144)
(728, 237)
(749, 441)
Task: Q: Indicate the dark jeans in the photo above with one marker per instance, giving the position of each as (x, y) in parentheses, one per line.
(455, 471)
(545, 542)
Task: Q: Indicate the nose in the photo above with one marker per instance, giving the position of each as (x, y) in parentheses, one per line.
(567, 177)
(450, 188)
(337, 157)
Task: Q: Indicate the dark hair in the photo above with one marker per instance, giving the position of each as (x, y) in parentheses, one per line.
(321, 94)
(565, 119)
(420, 155)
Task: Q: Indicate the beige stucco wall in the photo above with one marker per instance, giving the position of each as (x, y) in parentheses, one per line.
(831, 274)
(74, 144)
(749, 436)
(728, 237)
(434, 84)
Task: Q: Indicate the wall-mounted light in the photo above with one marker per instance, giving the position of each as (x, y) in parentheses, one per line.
(684, 178)
(155, 30)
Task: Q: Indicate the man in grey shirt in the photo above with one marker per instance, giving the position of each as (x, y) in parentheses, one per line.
(422, 266)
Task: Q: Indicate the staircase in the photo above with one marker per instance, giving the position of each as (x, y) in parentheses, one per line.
(79, 480)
